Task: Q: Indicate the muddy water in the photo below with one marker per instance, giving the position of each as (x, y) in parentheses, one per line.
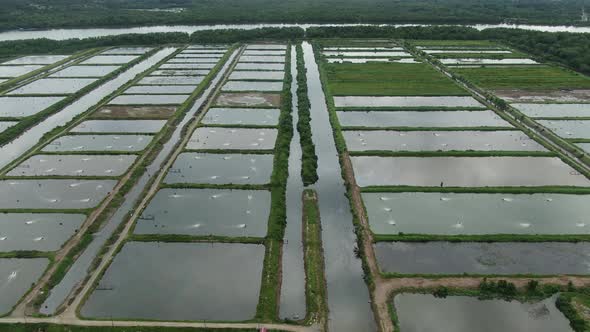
(204, 285)
(436, 119)
(172, 80)
(221, 212)
(74, 165)
(378, 101)
(149, 100)
(161, 89)
(78, 143)
(467, 314)
(137, 112)
(37, 231)
(390, 140)
(452, 214)
(53, 194)
(554, 110)
(568, 128)
(14, 71)
(205, 138)
(292, 300)
(543, 258)
(25, 106)
(257, 75)
(465, 171)
(252, 86)
(120, 126)
(109, 59)
(250, 99)
(221, 169)
(348, 296)
(242, 116)
(29, 138)
(53, 86)
(260, 66)
(85, 71)
(80, 267)
(16, 277)
(36, 60)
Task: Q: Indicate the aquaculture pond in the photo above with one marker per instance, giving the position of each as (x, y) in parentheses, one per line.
(50, 86)
(120, 126)
(196, 59)
(161, 89)
(264, 59)
(266, 47)
(187, 66)
(368, 60)
(36, 60)
(180, 72)
(252, 86)
(17, 107)
(480, 61)
(220, 212)
(467, 314)
(465, 171)
(211, 281)
(434, 119)
(568, 128)
(260, 66)
(506, 258)
(451, 213)
(16, 277)
(98, 143)
(37, 231)
(242, 116)
(109, 59)
(74, 165)
(389, 140)
(53, 194)
(127, 50)
(221, 168)
(213, 138)
(139, 112)
(257, 75)
(14, 71)
(171, 80)
(364, 48)
(413, 101)
(249, 99)
(367, 53)
(263, 52)
(85, 71)
(464, 51)
(554, 110)
(149, 100)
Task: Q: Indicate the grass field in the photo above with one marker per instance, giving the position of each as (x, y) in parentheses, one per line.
(457, 43)
(388, 79)
(525, 78)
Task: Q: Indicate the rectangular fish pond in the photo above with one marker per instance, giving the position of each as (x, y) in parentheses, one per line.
(257, 75)
(454, 213)
(187, 66)
(568, 129)
(252, 86)
(389, 140)
(413, 101)
(53, 194)
(213, 138)
(260, 66)
(85, 71)
(16, 277)
(218, 282)
(469, 314)
(97, 143)
(221, 212)
(36, 60)
(109, 59)
(149, 100)
(465, 172)
(171, 80)
(249, 99)
(74, 165)
(262, 58)
(127, 50)
(53, 86)
(554, 110)
(242, 116)
(14, 71)
(120, 126)
(161, 89)
(434, 119)
(17, 107)
(203, 168)
(180, 72)
(138, 112)
(264, 52)
(484, 258)
(37, 231)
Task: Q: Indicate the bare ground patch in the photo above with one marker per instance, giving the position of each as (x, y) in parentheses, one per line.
(515, 95)
(249, 99)
(134, 112)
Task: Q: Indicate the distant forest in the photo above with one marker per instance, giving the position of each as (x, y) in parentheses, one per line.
(38, 14)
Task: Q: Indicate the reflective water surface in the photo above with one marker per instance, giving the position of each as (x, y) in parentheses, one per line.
(25, 106)
(120, 126)
(73, 165)
(554, 110)
(435, 119)
(16, 277)
(124, 143)
(242, 116)
(232, 138)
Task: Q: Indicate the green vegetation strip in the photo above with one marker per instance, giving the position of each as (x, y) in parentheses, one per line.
(575, 307)
(267, 308)
(309, 159)
(315, 287)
